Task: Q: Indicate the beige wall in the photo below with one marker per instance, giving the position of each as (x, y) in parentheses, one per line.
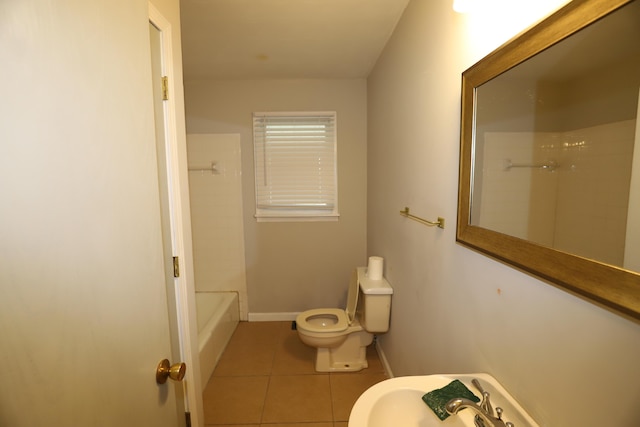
(293, 266)
(568, 361)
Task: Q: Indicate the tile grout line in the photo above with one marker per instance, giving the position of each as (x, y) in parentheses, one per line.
(333, 412)
(273, 361)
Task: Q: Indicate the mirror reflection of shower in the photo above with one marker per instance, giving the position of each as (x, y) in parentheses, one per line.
(557, 188)
(632, 239)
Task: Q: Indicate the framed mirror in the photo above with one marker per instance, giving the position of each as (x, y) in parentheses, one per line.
(550, 152)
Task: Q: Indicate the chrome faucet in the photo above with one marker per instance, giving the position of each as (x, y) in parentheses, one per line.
(484, 413)
(482, 418)
(485, 404)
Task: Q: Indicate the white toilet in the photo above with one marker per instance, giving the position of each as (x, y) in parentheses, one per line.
(342, 336)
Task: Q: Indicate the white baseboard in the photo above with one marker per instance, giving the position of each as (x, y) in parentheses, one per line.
(383, 359)
(272, 317)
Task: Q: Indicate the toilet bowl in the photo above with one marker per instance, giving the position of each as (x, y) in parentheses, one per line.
(341, 336)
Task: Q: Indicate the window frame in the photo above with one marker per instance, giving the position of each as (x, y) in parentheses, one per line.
(292, 213)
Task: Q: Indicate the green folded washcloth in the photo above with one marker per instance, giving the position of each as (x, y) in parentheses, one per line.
(437, 399)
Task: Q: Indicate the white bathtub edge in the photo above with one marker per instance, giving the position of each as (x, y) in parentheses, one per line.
(215, 335)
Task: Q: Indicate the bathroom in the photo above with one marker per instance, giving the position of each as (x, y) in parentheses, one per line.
(83, 314)
(453, 310)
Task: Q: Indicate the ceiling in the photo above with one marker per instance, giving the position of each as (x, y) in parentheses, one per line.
(271, 39)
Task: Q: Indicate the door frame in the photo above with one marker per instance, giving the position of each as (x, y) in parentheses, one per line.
(177, 177)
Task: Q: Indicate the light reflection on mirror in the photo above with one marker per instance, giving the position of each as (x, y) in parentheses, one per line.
(554, 145)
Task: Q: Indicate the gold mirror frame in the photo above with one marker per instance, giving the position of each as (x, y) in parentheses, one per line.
(611, 286)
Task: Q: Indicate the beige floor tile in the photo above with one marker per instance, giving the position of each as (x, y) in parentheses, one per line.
(346, 388)
(299, 425)
(233, 425)
(374, 362)
(235, 400)
(245, 360)
(251, 349)
(298, 398)
(266, 378)
(293, 357)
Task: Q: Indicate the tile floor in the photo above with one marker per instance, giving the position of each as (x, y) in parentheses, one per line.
(265, 378)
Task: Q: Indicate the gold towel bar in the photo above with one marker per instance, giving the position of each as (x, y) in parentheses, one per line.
(439, 222)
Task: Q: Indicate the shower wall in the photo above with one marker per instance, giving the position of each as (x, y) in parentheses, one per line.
(215, 185)
(591, 215)
(567, 206)
(501, 198)
(632, 242)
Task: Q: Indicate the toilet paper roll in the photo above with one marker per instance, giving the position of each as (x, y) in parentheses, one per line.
(375, 267)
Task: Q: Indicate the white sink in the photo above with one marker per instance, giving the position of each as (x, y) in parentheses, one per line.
(398, 401)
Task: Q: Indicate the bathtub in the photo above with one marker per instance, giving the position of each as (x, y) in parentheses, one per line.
(217, 319)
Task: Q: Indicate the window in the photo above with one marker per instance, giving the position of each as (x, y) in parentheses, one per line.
(295, 166)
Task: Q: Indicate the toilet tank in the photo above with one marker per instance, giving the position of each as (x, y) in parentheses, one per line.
(374, 303)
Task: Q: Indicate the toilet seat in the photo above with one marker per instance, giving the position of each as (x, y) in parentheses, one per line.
(331, 320)
(323, 320)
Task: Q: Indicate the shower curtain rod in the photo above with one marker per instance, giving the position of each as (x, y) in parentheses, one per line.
(550, 165)
(213, 169)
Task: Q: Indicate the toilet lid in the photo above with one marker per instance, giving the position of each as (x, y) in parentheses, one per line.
(352, 297)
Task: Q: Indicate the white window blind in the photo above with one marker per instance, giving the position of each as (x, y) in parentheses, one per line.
(295, 165)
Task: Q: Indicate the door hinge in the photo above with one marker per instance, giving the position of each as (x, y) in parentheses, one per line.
(165, 88)
(176, 266)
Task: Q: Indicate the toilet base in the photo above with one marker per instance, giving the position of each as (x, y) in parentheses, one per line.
(350, 356)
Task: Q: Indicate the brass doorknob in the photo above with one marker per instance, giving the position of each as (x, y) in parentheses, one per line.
(167, 370)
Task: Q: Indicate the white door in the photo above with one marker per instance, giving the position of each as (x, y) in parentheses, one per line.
(171, 264)
(83, 306)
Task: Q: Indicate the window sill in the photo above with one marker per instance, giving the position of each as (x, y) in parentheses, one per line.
(297, 218)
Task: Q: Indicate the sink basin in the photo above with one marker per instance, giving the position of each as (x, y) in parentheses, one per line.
(398, 401)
